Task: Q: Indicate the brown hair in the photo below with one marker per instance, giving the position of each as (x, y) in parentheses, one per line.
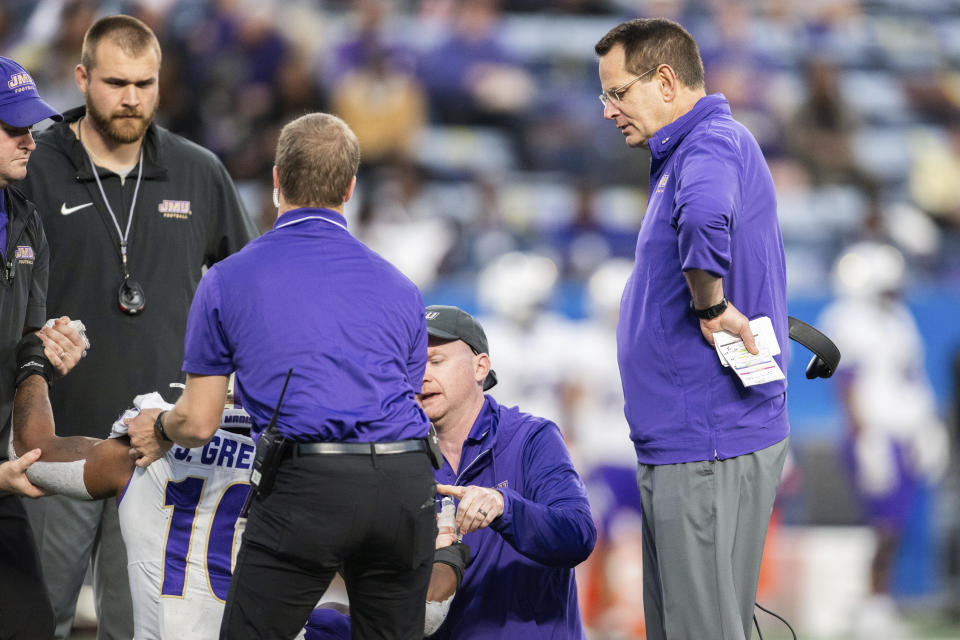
(130, 34)
(648, 42)
(317, 157)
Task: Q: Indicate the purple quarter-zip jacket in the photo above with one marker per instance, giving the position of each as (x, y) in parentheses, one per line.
(712, 206)
(520, 581)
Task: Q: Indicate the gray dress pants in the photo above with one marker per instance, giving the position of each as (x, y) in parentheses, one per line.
(71, 536)
(704, 525)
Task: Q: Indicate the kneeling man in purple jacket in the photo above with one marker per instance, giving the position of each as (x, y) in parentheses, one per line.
(523, 508)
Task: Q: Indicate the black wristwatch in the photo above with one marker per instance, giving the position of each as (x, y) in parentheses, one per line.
(158, 429)
(710, 312)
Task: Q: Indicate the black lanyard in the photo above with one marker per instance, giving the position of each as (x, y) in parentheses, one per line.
(130, 295)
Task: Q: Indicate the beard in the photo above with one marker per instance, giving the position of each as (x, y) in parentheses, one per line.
(123, 127)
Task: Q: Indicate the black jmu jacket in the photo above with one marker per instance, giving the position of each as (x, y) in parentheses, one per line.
(23, 292)
(187, 215)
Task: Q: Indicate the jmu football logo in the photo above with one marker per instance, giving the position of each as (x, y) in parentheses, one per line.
(663, 182)
(24, 254)
(175, 209)
(432, 314)
(20, 82)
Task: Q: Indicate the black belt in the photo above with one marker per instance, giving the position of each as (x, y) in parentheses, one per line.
(358, 448)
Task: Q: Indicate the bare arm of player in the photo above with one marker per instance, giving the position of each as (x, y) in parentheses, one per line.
(108, 468)
(104, 466)
(443, 582)
(191, 423)
(33, 426)
(443, 579)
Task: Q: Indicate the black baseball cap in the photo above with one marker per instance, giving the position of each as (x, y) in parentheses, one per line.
(452, 323)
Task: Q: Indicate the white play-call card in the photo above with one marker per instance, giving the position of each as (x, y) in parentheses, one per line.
(751, 369)
(763, 333)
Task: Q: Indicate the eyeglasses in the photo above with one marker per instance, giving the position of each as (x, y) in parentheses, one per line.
(617, 94)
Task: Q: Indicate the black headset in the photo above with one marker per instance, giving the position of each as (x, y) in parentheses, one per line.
(826, 355)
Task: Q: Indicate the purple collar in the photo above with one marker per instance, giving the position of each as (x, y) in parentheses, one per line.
(667, 138)
(297, 216)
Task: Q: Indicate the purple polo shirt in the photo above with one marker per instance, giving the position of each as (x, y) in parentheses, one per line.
(310, 296)
(712, 206)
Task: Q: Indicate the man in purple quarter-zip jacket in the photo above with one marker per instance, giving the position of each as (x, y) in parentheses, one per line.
(522, 509)
(709, 258)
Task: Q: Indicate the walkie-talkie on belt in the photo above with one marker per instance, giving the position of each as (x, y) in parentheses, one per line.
(270, 450)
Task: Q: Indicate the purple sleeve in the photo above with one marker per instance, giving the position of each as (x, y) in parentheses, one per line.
(327, 624)
(417, 360)
(206, 349)
(706, 205)
(551, 523)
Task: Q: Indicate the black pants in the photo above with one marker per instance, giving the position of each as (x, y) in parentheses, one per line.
(371, 517)
(25, 611)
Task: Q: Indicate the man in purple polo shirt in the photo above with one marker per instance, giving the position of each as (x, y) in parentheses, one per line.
(354, 491)
(709, 258)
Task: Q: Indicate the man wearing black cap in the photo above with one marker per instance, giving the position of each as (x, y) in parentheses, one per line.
(523, 508)
(24, 608)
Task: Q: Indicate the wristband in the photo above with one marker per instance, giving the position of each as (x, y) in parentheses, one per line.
(710, 312)
(31, 360)
(456, 556)
(158, 429)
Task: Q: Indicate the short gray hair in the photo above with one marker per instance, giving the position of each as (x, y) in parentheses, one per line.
(317, 158)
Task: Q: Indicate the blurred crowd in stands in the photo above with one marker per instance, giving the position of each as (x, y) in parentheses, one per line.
(481, 130)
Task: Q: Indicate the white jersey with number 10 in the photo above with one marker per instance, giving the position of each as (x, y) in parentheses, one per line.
(179, 522)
